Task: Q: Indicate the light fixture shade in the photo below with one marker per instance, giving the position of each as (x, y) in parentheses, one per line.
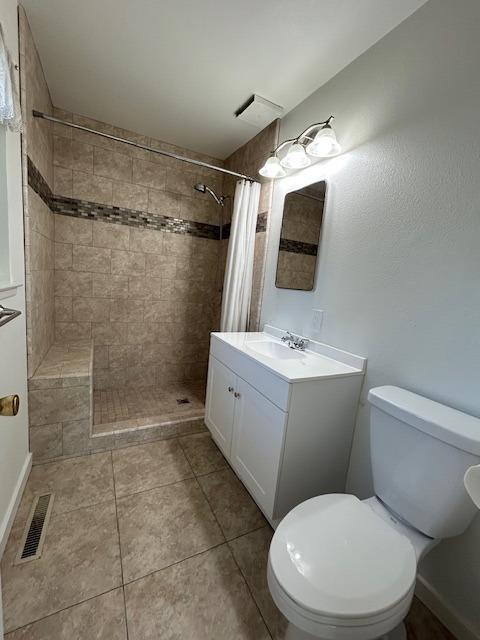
(272, 168)
(324, 144)
(296, 157)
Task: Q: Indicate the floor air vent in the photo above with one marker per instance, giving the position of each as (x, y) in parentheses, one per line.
(183, 401)
(35, 529)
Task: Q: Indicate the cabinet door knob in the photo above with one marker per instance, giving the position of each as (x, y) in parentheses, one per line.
(230, 389)
(236, 394)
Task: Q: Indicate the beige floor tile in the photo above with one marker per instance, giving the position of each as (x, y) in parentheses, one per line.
(251, 553)
(78, 482)
(203, 454)
(148, 466)
(102, 618)
(202, 598)
(80, 560)
(423, 625)
(163, 526)
(232, 505)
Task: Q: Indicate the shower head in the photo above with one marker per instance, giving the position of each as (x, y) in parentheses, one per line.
(204, 189)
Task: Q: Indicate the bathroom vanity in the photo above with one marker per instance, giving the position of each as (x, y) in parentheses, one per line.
(282, 417)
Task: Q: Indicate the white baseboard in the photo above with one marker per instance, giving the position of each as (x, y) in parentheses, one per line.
(7, 523)
(450, 618)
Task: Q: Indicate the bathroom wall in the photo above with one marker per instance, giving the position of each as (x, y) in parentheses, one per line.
(37, 150)
(247, 160)
(399, 263)
(136, 255)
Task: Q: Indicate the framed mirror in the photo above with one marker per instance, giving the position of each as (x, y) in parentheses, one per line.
(300, 237)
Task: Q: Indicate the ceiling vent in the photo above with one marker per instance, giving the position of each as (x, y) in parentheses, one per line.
(258, 111)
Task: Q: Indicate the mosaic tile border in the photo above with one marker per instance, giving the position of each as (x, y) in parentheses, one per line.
(129, 217)
(295, 246)
(38, 183)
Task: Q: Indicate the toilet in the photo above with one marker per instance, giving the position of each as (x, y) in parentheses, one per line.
(344, 569)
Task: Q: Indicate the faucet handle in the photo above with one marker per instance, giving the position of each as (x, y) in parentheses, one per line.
(301, 343)
(288, 337)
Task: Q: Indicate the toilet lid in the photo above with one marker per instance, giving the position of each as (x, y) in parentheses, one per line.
(334, 556)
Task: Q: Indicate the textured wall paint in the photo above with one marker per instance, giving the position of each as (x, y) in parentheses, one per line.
(399, 264)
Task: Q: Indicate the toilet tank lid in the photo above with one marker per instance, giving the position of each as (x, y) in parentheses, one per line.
(444, 423)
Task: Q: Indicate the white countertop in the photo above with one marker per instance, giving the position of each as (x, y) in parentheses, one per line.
(294, 365)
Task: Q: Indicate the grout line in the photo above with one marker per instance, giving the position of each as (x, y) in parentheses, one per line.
(249, 589)
(160, 486)
(119, 541)
(84, 506)
(71, 606)
(211, 508)
(229, 548)
(194, 555)
(263, 526)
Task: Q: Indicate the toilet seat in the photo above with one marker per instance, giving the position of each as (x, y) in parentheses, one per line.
(334, 562)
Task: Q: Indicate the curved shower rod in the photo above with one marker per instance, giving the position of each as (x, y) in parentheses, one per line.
(44, 116)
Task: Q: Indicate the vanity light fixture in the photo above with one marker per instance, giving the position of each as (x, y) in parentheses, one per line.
(272, 168)
(296, 158)
(318, 140)
(324, 144)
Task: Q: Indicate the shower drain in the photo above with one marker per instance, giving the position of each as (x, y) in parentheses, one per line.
(183, 401)
(36, 528)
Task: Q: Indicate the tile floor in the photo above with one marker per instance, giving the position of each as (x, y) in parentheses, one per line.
(158, 404)
(152, 542)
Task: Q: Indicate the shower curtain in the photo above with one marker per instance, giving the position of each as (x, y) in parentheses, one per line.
(237, 284)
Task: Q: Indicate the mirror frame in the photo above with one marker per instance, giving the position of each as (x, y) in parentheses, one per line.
(314, 281)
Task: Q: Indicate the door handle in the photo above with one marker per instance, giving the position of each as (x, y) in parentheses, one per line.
(7, 314)
(9, 405)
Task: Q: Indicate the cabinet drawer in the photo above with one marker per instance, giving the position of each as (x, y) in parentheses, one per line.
(271, 386)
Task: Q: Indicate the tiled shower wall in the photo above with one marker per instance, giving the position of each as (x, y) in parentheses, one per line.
(148, 297)
(248, 159)
(37, 143)
(130, 257)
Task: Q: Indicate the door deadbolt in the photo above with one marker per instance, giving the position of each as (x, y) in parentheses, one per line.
(9, 405)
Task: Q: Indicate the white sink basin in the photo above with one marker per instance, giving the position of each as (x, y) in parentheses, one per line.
(275, 350)
(317, 361)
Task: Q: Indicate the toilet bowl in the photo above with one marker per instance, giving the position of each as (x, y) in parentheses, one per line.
(344, 569)
(338, 571)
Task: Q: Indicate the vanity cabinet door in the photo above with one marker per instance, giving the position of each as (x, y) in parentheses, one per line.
(258, 433)
(220, 402)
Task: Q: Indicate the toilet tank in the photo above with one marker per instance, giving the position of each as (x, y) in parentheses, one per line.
(420, 452)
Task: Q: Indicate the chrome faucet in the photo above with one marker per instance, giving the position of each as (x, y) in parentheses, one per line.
(294, 342)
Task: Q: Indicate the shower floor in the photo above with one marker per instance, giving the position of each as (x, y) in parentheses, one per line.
(118, 409)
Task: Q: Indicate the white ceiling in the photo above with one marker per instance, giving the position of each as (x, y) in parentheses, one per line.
(178, 69)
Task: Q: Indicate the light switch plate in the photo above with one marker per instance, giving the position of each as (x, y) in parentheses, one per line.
(317, 321)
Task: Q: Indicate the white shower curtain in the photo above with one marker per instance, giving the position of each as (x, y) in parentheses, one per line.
(237, 284)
